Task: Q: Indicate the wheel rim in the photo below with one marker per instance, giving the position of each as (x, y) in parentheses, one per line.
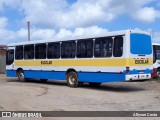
(72, 79)
(21, 76)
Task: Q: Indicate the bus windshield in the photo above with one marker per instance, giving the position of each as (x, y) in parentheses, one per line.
(140, 44)
(9, 57)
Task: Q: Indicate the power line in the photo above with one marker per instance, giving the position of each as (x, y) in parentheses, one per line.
(24, 16)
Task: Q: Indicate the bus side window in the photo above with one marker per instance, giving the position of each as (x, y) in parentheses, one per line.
(158, 54)
(29, 52)
(19, 53)
(118, 46)
(53, 51)
(80, 49)
(68, 49)
(72, 49)
(97, 50)
(89, 48)
(40, 51)
(85, 48)
(103, 47)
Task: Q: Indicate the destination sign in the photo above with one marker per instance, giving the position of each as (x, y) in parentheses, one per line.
(46, 62)
(144, 61)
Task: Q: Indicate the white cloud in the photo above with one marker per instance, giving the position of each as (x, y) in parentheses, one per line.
(10, 3)
(147, 14)
(86, 13)
(88, 31)
(156, 37)
(58, 19)
(42, 34)
(46, 13)
(3, 22)
(7, 36)
(83, 13)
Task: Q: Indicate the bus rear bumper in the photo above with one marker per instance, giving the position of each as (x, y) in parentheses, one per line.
(138, 77)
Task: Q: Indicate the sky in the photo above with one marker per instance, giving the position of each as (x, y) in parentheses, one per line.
(58, 19)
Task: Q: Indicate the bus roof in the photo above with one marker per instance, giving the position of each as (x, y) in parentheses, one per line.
(114, 33)
(158, 44)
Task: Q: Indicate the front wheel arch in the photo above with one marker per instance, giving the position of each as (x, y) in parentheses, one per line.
(20, 75)
(19, 69)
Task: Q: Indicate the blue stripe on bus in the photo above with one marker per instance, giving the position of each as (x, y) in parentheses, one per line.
(101, 77)
(11, 73)
(82, 76)
(45, 75)
(148, 71)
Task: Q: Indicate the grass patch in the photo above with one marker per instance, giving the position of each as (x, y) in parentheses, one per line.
(155, 79)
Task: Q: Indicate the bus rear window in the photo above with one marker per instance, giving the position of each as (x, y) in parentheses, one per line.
(140, 44)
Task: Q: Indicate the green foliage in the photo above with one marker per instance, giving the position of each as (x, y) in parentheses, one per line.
(156, 79)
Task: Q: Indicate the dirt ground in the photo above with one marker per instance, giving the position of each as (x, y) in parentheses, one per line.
(57, 96)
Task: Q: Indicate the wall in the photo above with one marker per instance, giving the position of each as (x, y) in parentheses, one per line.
(2, 61)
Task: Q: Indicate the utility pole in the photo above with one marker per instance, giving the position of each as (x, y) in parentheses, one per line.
(28, 23)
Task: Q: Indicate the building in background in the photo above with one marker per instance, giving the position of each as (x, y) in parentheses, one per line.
(3, 50)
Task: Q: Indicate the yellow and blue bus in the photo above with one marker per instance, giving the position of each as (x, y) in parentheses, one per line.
(113, 57)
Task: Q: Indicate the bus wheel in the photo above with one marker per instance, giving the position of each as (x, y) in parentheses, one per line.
(20, 76)
(72, 80)
(43, 80)
(94, 84)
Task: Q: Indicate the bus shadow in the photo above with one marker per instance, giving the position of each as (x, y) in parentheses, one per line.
(49, 82)
(122, 87)
(113, 88)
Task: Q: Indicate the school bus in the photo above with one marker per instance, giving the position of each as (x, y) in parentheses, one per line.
(113, 57)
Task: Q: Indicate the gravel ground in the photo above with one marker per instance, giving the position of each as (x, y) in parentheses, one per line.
(57, 96)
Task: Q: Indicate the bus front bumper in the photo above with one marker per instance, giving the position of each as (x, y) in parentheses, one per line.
(138, 77)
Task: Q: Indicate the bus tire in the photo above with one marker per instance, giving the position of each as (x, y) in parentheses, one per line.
(95, 84)
(43, 80)
(20, 76)
(72, 80)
